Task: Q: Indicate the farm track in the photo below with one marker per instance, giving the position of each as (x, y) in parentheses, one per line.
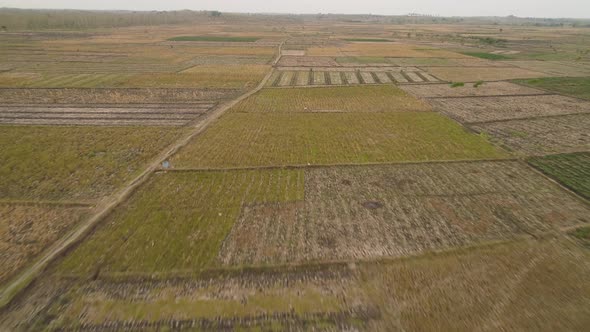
(15, 286)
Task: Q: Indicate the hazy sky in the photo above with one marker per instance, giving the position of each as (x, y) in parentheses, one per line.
(529, 8)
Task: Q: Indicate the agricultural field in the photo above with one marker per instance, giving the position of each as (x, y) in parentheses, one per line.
(27, 229)
(474, 74)
(304, 76)
(329, 99)
(574, 86)
(281, 139)
(74, 163)
(540, 136)
(489, 109)
(483, 89)
(208, 171)
(572, 170)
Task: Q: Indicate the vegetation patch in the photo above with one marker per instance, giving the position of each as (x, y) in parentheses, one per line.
(573, 86)
(214, 39)
(573, 170)
(146, 235)
(246, 139)
(351, 99)
(487, 56)
(75, 163)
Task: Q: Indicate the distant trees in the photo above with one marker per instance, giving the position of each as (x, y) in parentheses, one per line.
(215, 13)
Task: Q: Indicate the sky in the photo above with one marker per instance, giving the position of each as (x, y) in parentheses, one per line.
(522, 8)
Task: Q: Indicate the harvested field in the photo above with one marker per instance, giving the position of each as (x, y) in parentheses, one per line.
(27, 229)
(572, 170)
(398, 210)
(307, 61)
(549, 135)
(469, 90)
(485, 109)
(574, 86)
(246, 139)
(397, 50)
(75, 163)
(349, 99)
(461, 290)
(474, 74)
(119, 115)
(202, 76)
(113, 96)
(553, 68)
(144, 236)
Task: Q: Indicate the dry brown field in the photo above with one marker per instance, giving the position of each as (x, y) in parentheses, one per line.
(470, 90)
(474, 74)
(489, 109)
(28, 229)
(539, 136)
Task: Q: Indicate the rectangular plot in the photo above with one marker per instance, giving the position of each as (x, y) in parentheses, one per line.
(351, 77)
(485, 89)
(538, 136)
(343, 98)
(399, 210)
(29, 229)
(383, 77)
(278, 139)
(319, 78)
(196, 230)
(413, 76)
(302, 78)
(429, 78)
(66, 163)
(398, 77)
(474, 109)
(474, 74)
(286, 78)
(572, 170)
(367, 77)
(335, 78)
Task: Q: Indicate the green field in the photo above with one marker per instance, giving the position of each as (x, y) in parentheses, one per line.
(74, 163)
(573, 86)
(246, 139)
(214, 39)
(383, 98)
(487, 56)
(146, 235)
(573, 170)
